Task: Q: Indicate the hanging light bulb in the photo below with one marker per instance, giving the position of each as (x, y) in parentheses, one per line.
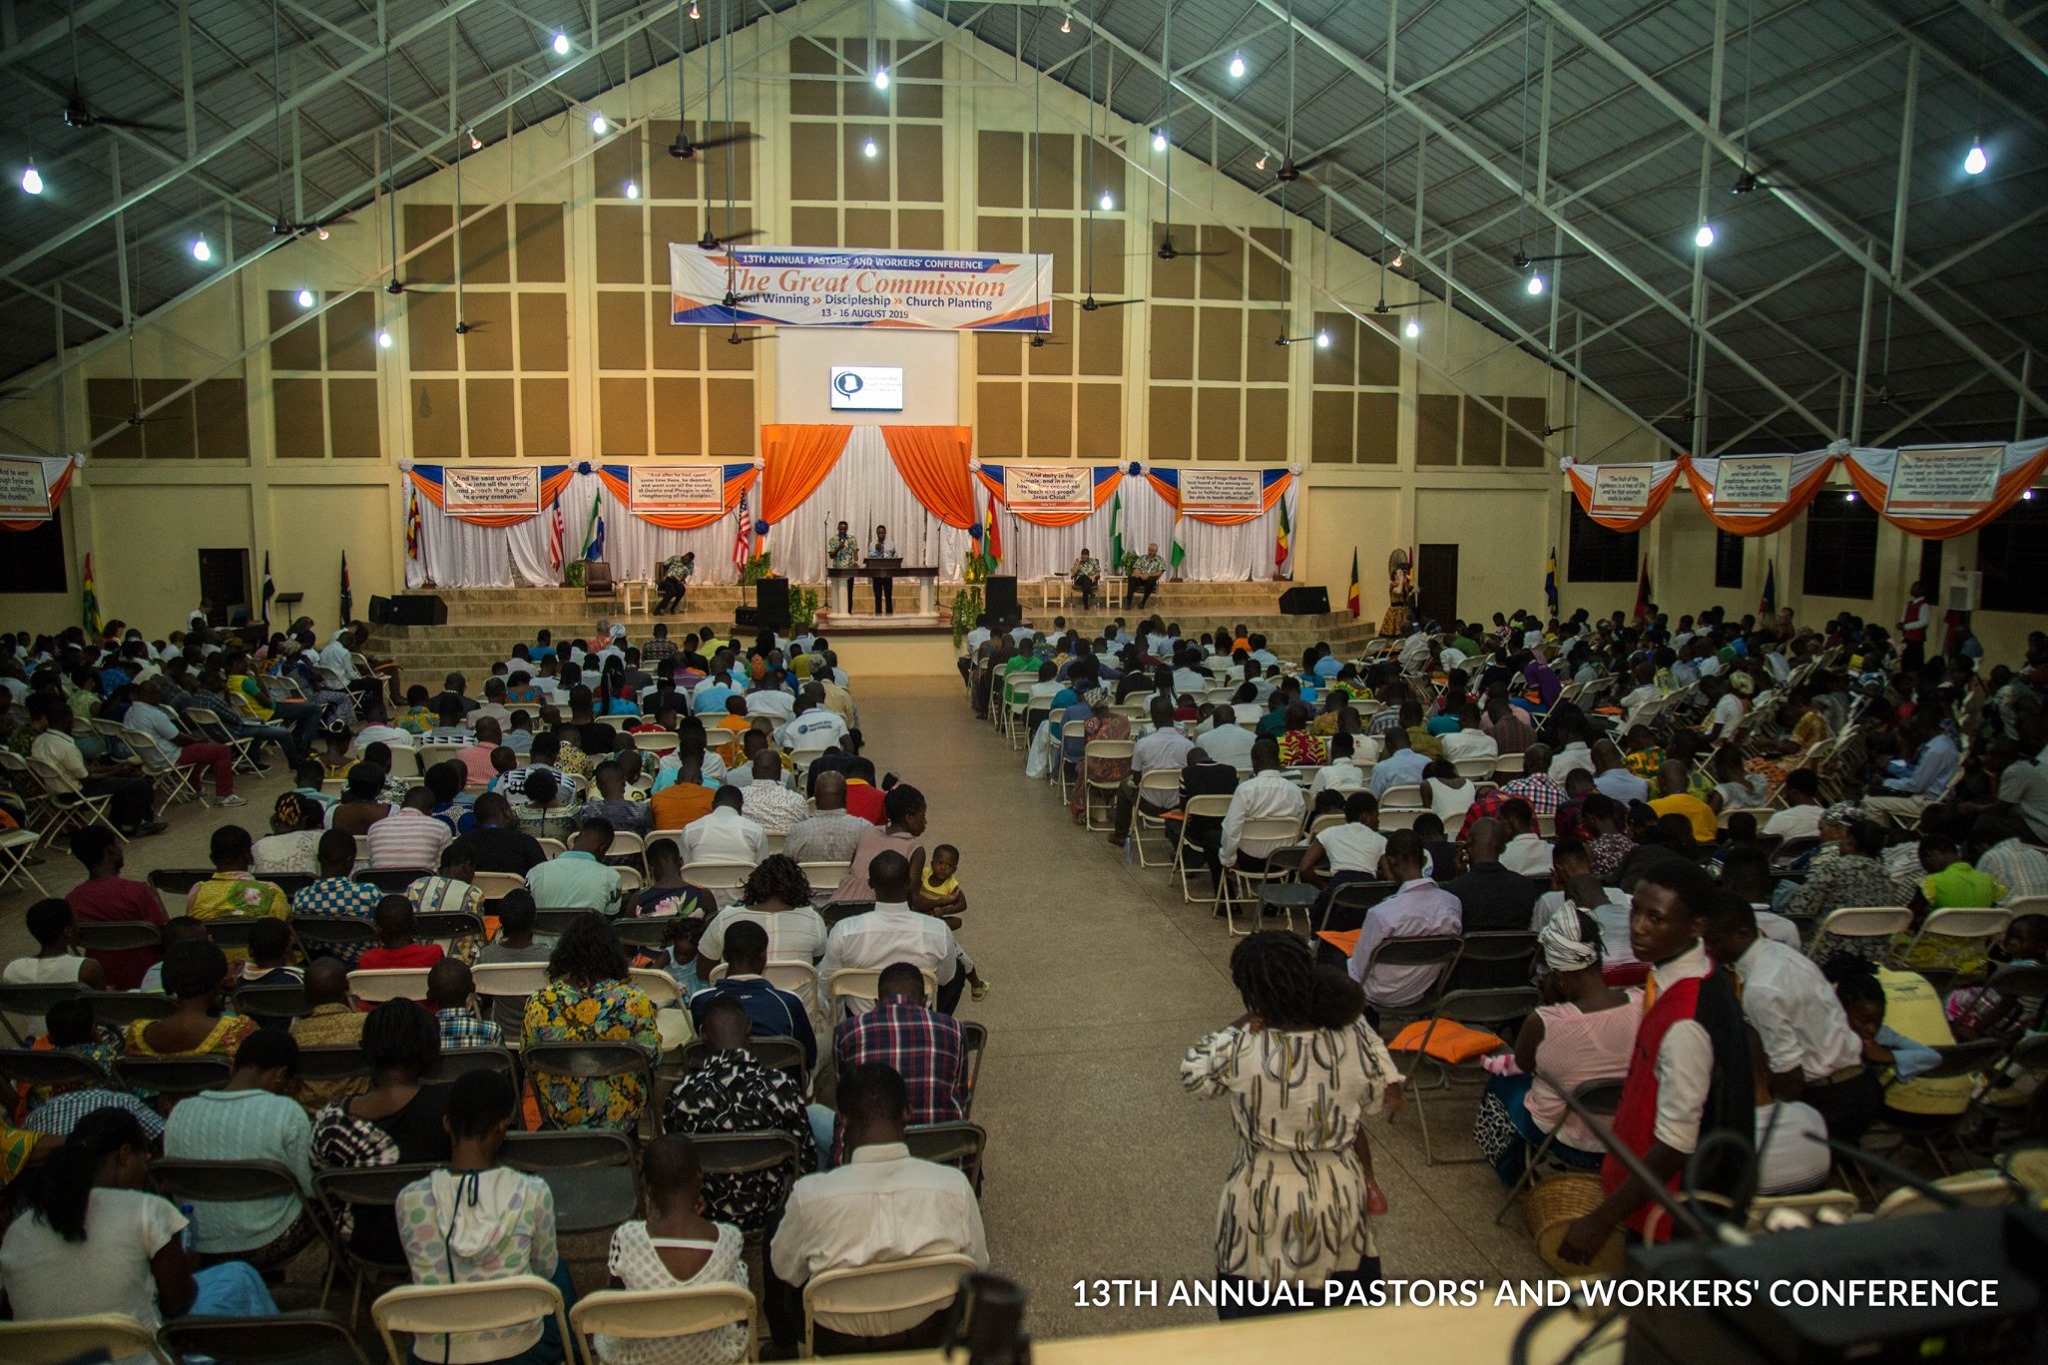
(632, 189)
(1396, 262)
(383, 339)
(598, 125)
(1066, 23)
(305, 298)
(1975, 162)
(1261, 162)
(32, 179)
(1535, 285)
(1414, 328)
(869, 150)
(1237, 66)
(693, 10)
(200, 250)
(881, 78)
(1108, 203)
(1705, 236)
(476, 144)
(1159, 139)
(1322, 341)
(321, 232)
(2027, 496)
(561, 44)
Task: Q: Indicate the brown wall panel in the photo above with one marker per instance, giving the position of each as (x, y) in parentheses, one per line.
(678, 417)
(1050, 435)
(814, 226)
(1216, 424)
(488, 346)
(1173, 342)
(740, 155)
(995, 353)
(993, 232)
(617, 161)
(921, 229)
(1108, 173)
(1102, 340)
(1052, 162)
(814, 161)
(1222, 275)
(668, 177)
(1337, 362)
(541, 250)
(1379, 428)
(1481, 442)
(869, 228)
(430, 332)
(621, 244)
(1169, 424)
(436, 419)
(1107, 236)
(675, 348)
(813, 96)
(169, 435)
(1522, 452)
(352, 333)
(920, 153)
(721, 354)
(621, 330)
(1265, 425)
(435, 264)
(1436, 429)
(221, 413)
(667, 223)
(486, 255)
(622, 416)
(734, 428)
(1329, 431)
(1099, 421)
(108, 402)
(299, 419)
(1222, 344)
(1265, 278)
(1265, 360)
(1379, 355)
(544, 418)
(299, 348)
(1055, 237)
(915, 97)
(1174, 279)
(999, 170)
(488, 414)
(352, 419)
(543, 331)
(865, 178)
(1057, 355)
(999, 420)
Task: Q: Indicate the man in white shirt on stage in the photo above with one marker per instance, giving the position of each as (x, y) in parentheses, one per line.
(885, 586)
(842, 551)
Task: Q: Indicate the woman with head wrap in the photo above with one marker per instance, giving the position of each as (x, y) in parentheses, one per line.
(1101, 723)
(1582, 1032)
(293, 844)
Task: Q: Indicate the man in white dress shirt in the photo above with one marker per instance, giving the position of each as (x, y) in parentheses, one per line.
(892, 932)
(1226, 741)
(881, 547)
(882, 1205)
(724, 835)
(1163, 748)
(1266, 794)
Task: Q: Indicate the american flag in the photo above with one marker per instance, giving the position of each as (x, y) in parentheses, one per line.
(740, 531)
(555, 531)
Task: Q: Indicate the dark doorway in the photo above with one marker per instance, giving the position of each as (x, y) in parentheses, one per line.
(224, 581)
(1930, 568)
(1436, 582)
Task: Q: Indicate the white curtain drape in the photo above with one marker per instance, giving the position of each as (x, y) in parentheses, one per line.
(862, 489)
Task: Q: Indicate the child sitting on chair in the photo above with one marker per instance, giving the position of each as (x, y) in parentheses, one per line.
(944, 898)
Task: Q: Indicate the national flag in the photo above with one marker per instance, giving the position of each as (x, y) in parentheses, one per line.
(1769, 606)
(1353, 596)
(556, 535)
(995, 536)
(593, 533)
(1116, 534)
(1283, 546)
(1550, 582)
(269, 586)
(1180, 551)
(413, 529)
(1643, 590)
(739, 536)
(348, 597)
(91, 603)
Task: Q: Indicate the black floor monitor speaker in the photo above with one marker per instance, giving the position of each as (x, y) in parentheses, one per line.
(1305, 601)
(1000, 601)
(771, 603)
(423, 610)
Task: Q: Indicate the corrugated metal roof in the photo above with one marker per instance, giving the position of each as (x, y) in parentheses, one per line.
(1820, 84)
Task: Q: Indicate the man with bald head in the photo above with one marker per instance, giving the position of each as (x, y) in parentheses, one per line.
(769, 804)
(1492, 899)
(892, 932)
(451, 992)
(831, 835)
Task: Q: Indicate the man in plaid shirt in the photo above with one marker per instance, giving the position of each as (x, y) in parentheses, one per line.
(928, 1049)
(450, 989)
(1535, 786)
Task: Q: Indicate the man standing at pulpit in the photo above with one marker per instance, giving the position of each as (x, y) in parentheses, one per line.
(885, 586)
(844, 553)
(1146, 571)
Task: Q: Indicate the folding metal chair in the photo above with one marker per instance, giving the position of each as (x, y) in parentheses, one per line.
(687, 1310)
(592, 1172)
(977, 1044)
(32, 1000)
(285, 1000)
(66, 1341)
(68, 801)
(1959, 1059)
(479, 1305)
(118, 1009)
(173, 1076)
(1483, 1007)
(1597, 1097)
(1205, 807)
(921, 1283)
(17, 846)
(310, 1336)
(333, 936)
(1106, 751)
(48, 1066)
(587, 1062)
(185, 1180)
(954, 1143)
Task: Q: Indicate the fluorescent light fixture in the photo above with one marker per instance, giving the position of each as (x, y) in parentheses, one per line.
(200, 250)
(32, 179)
(1237, 65)
(305, 298)
(561, 44)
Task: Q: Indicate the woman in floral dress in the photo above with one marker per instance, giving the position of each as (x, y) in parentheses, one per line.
(588, 999)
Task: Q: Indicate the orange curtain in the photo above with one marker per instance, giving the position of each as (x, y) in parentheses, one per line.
(1663, 478)
(2020, 472)
(796, 457)
(933, 463)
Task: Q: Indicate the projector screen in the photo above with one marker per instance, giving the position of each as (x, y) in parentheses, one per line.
(867, 388)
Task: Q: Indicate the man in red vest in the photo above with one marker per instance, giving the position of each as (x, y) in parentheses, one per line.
(1689, 1072)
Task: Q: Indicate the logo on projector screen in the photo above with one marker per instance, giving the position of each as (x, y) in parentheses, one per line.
(867, 388)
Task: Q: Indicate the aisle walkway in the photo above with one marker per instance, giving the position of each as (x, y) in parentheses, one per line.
(1099, 1166)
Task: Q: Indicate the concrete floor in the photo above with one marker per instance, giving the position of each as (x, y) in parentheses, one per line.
(1098, 1165)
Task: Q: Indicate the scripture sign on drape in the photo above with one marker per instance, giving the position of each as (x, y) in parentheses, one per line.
(24, 490)
(780, 286)
(679, 495)
(1050, 494)
(487, 495)
(1623, 497)
(1939, 492)
(1754, 495)
(1220, 497)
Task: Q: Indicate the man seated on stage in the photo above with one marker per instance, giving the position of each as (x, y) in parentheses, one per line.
(1086, 573)
(1145, 575)
(842, 551)
(674, 581)
(884, 585)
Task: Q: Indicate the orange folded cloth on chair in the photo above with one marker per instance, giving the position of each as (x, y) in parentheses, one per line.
(1343, 939)
(1451, 1042)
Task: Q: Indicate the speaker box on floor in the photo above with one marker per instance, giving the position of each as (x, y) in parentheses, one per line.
(771, 603)
(999, 601)
(1305, 602)
(424, 610)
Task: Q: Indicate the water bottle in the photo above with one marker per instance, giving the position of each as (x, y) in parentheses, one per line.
(1131, 849)
(188, 1237)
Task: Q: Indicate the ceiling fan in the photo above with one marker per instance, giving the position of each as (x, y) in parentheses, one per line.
(1289, 171)
(284, 225)
(81, 115)
(737, 340)
(1546, 431)
(1522, 261)
(1167, 251)
(711, 241)
(1039, 340)
(1089, 303)
(685, 148)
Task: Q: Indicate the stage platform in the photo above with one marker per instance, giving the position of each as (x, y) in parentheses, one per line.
(484, 623)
